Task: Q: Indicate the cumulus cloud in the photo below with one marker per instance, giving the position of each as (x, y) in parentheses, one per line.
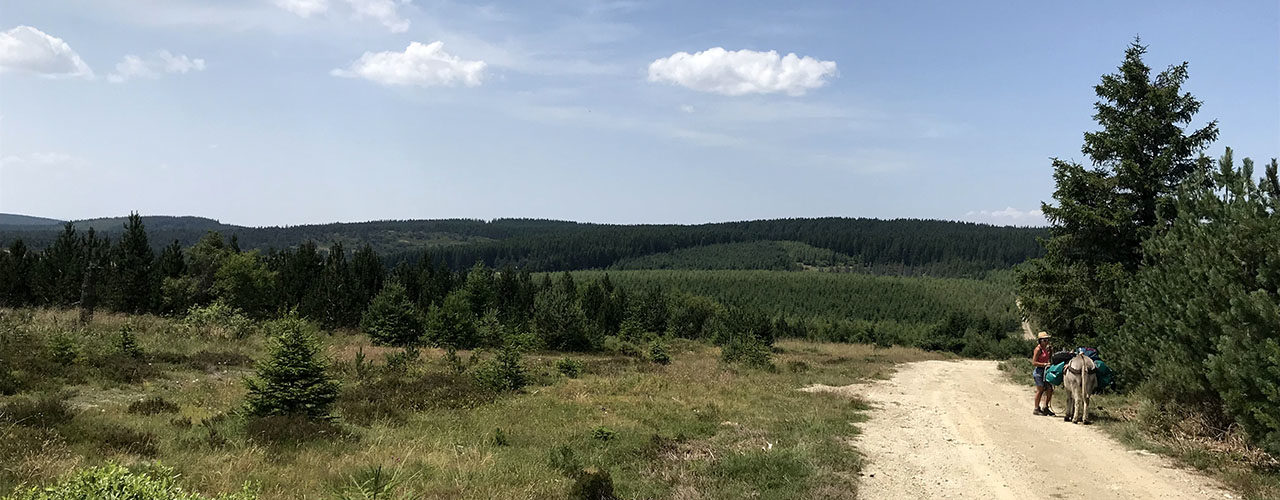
(1009, 215)
(422, 65)
(30, 50)
(153, 66)
(740, 72)
(384, 11)
(304, 8)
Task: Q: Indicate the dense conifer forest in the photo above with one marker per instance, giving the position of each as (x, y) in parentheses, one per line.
(890, 246)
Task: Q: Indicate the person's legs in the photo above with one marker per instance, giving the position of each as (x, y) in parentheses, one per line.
(1048, 398)
(1037, 375)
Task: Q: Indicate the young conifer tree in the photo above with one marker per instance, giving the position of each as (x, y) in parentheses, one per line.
(392, 318)
(293, 381)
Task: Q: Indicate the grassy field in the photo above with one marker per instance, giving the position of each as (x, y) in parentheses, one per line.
(1132, 420)
(696, 428)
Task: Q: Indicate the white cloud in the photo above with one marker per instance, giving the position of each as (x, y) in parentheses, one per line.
(30, 50)
(422, 65)
(153, 66)
(383, 11)
(687, 108)
(386, 12)
(1009, 215)
(40, 159)
(304, 8)
(740, 72)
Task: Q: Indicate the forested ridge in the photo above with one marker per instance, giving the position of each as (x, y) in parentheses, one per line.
(891, 246)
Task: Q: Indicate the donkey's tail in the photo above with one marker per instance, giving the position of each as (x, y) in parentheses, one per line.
(1085, 373)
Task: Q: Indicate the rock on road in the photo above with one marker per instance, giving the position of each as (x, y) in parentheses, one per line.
(960, 429)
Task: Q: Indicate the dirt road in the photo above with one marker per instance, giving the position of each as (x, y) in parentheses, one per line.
(959, 429)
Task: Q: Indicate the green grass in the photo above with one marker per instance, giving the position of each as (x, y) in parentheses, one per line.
(693, 428)
(1130, 419)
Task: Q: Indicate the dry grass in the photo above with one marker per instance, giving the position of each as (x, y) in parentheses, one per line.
(695, 428)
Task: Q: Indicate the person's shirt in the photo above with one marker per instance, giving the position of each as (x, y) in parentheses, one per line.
(1041, 355)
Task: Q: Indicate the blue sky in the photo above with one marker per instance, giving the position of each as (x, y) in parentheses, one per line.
(272, 112)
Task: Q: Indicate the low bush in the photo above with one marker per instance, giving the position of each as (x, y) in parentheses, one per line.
(123, 368)
(565, 461)
(592, 484)
(400, 361)
(153, 405)
(747, 350)
(619, 346)
(392, 396)
(503, 373)
(64, 349)
(117, 482)
(589, 483)
(658, 353)
(602, 433)
(44, 412)
(569, 367)
(120, 439)
(127, 343)
(219, 320)
(292, 429)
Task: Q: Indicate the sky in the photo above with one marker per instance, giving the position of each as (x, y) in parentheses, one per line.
(285, 112)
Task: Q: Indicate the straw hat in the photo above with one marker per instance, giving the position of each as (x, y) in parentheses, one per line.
(1043, 335)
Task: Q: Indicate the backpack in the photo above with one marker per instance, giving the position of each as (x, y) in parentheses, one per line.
(1105, 375)
(1061, 357)
(1053, 374)
(1090, 352)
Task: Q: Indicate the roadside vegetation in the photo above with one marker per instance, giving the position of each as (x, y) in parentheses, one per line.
(1166, 260)
(174, 408)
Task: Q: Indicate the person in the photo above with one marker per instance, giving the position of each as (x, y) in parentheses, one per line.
(1040, 360)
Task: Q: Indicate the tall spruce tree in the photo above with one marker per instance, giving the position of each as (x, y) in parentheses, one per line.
(59, 274)
(340, 304)
(367, 274)
(16, 266)
(133, 281)
(1141, 155)
(171, 263)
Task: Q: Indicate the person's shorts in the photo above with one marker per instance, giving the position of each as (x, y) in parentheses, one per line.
(1038, 376)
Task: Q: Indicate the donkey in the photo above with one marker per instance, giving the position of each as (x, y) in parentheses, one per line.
(1080, 379)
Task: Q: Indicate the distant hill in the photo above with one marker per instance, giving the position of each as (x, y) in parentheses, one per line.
(902, 246)
(27, 220)
(157, 223)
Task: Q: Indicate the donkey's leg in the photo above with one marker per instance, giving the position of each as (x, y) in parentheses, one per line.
(1071, 405)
